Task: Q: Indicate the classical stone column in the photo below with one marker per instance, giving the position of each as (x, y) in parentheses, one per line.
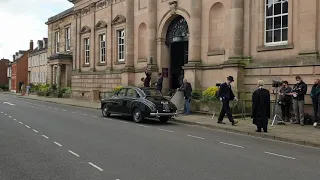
(109, 39)
(51, 75)
(66, 75)
(236, 29)
(129, 55)
(59, 76)
(195, 32)
(152, 30)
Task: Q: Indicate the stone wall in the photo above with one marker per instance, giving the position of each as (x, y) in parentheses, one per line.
(83, 84)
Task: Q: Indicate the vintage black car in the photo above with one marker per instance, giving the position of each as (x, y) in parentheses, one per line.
(139, 103)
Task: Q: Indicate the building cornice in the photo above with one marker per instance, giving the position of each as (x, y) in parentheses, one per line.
(59, 16)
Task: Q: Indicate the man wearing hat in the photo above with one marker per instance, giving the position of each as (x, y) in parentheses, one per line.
(226, 95)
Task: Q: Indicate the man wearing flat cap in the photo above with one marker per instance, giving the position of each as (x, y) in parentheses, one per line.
(225, 94)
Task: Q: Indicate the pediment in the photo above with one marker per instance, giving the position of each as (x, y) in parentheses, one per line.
(101, 24)
(85, 29)
(119, 19)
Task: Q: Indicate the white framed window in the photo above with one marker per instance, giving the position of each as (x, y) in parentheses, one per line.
(276, 22)
(121, 44)
(102, 40)
(68, 39)
(86, 50)
(56, 41)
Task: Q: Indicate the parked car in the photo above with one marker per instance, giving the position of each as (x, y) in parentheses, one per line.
(139, 103)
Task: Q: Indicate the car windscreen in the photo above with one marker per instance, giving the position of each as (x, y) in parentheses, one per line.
(151, 92)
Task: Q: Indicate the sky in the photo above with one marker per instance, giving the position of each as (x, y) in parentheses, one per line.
(24, 20)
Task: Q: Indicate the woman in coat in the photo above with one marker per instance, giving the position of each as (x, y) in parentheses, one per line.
(261, 107)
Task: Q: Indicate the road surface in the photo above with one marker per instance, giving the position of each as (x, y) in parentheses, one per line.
(46, 141)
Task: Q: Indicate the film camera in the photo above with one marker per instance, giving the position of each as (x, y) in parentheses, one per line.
(277, 83)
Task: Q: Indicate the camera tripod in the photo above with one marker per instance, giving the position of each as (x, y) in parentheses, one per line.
(276, 118)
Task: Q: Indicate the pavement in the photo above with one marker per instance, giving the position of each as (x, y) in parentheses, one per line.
(306, 135)
(43, 140)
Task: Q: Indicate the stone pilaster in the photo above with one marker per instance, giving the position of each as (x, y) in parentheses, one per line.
(59, 76)
(51, 75)
(308, 28)
(129, 55)
(236, 29)
(152, 29)
(66, 75)
(109, 39)
(195, 32)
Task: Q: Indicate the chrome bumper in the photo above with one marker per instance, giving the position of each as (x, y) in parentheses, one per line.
(157, 114)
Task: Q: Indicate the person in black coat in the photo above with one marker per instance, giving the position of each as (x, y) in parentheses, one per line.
(261, 107)
(226, 95)
(147, 79)
(160, 82)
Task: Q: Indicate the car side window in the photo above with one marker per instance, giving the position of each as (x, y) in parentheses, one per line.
(132, 93)
(122, 93)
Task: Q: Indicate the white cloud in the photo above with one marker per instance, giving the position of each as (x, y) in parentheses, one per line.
(24, 20)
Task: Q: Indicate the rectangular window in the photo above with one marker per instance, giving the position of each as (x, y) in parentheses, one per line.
(56, 41)
(276, 22)
(121, 45)
(102, 41)
(68, 39)
(86, 50)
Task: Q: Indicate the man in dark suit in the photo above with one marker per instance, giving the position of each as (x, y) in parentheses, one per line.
(261, 107)
(160, 82)
(226, 95)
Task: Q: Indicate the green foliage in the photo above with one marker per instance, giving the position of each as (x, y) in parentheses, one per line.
(4, 87)
(117, 89)
(196, 94)
(209, 95)
(43, 87)
(65, 92)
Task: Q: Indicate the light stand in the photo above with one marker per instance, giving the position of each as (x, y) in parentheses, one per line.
(276, 118)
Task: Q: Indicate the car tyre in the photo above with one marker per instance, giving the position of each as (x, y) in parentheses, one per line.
(105, 112)
(164, 119)
(137, 116)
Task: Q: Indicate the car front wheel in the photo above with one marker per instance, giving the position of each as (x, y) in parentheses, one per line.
(105, 112)
(164, 119)
(137, 116)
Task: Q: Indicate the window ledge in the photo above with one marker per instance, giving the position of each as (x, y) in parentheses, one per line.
(142, 60)
(216, 52)
(85, 65)
(101, 64)
(119, 62)
(275, 47)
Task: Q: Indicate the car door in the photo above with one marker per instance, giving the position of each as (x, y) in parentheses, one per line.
(131, 96)
(118, 101)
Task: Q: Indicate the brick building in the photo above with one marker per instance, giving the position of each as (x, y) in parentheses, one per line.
(114, 40)
(19, 68)
(3, 72)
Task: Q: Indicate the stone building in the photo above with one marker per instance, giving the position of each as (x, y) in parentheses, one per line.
(37, 63)
(114, 40)
(60, 47)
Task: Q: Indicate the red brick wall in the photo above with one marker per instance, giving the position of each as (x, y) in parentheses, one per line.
(13, 76)
(22, 70)
(3, 73)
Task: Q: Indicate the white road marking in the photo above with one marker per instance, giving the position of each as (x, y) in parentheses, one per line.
(125, 122)
(35, 130)
(58, 144)
(143, 126)
(95, 116)
(55, 108)
(195, 137)
(166, 130)
(8, 103)
(5, 114)
(9, 116)
(74, 112)
(45, 136)
(63, 110)
(84, 114)
(231, 145)
(95, 166)
(27, 126)
(1, 112)
(74, 153)
(15, 119)
(279, 155)
(20, 122)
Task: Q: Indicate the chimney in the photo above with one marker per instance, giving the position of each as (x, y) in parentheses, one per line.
(14, 57)
(31, 45)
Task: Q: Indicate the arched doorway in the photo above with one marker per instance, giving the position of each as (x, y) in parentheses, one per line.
(177, 38)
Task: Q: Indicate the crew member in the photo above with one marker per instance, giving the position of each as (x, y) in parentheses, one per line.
(147, 79)
(315, 93)
(187, 90)
(298, 92)
(226, 95)
(261, 107)
(285, 101)
(159, 83)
